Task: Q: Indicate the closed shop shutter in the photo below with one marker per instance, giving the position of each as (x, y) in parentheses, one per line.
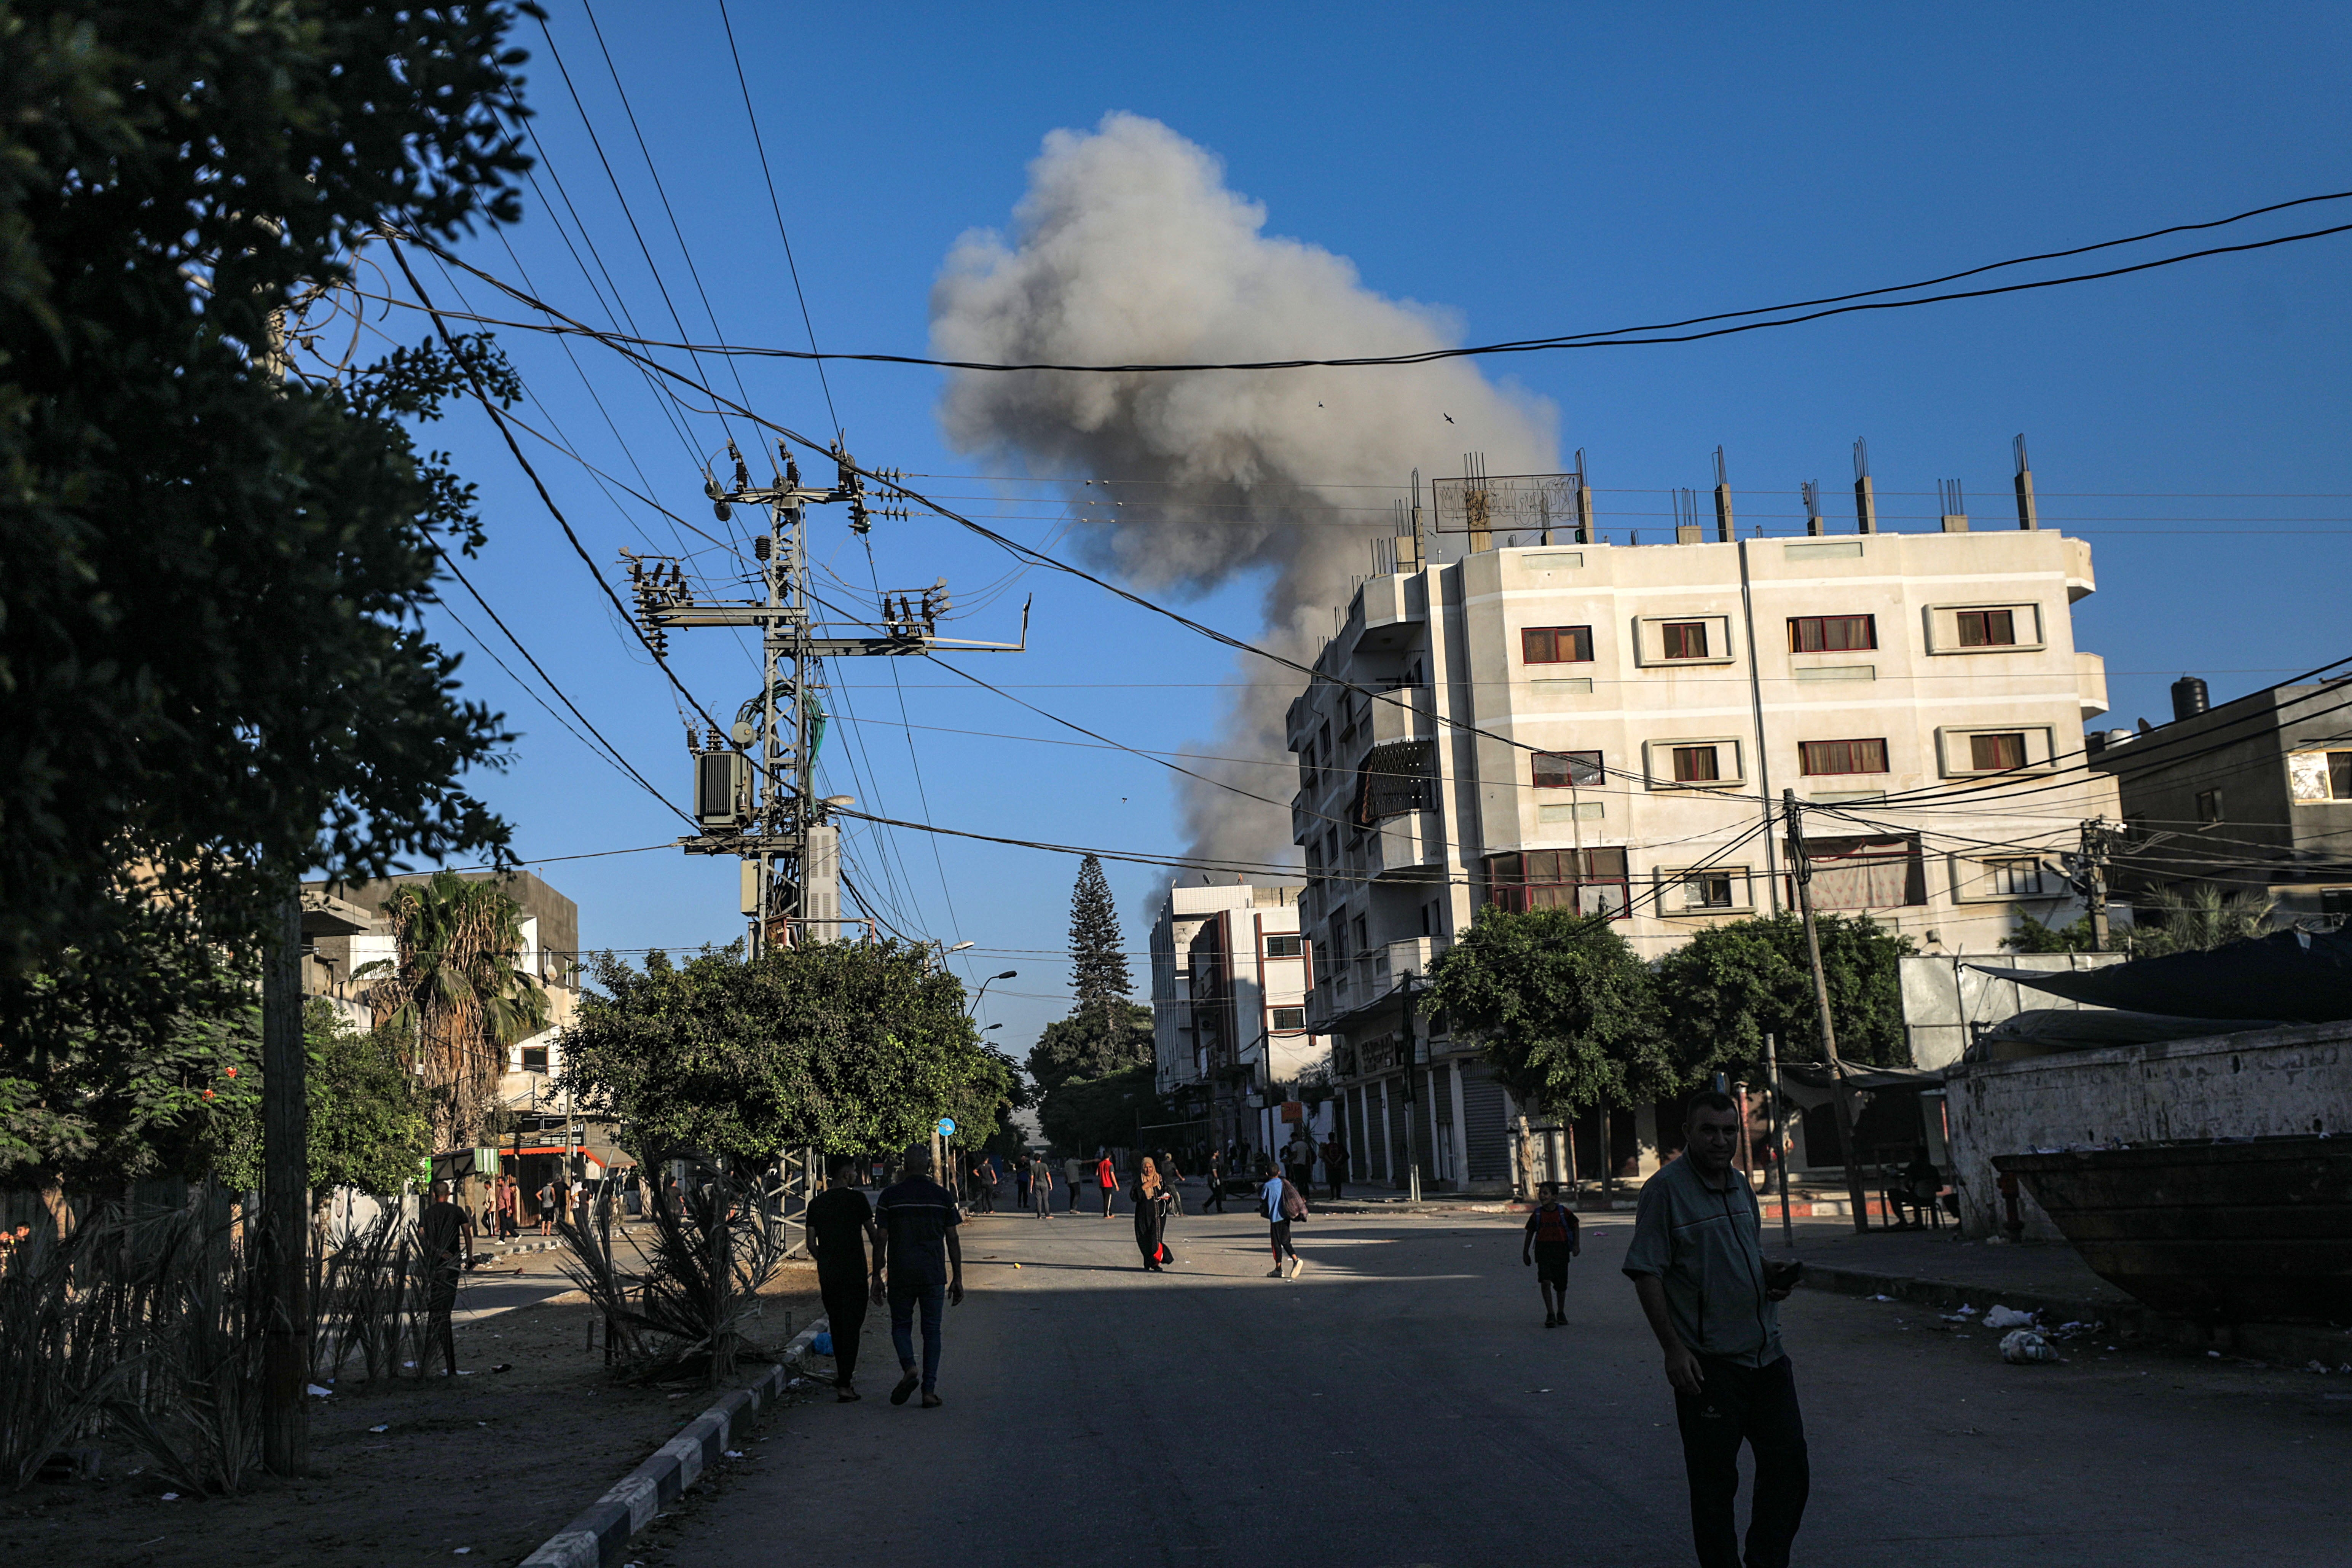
(1485, 1135)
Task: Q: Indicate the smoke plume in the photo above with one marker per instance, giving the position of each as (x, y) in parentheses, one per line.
(1129, 248)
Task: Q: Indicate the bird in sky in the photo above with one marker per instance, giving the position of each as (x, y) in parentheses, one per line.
(1449, 418)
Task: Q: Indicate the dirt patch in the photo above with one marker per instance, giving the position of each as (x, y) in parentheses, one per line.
(496, 1462)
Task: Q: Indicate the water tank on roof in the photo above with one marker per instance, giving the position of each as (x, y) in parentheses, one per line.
(2188, 697)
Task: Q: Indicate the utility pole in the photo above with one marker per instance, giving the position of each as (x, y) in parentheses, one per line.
(755, 794)
(1780, 1143)
(285, 1229)
(2096, 848)
(1800, 866)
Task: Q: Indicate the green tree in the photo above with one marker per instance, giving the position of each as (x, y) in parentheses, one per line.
(852, 1046)
(1724, 989)
(2198, 919)
(210, 673)
(1091, 1045)
(2033, 936)
(368, 1124)
(1099, 980)
(1086, 1114)
(454, 990)
(1561, 1004)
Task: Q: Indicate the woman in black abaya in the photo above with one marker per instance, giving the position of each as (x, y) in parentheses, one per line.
(1152, 1201)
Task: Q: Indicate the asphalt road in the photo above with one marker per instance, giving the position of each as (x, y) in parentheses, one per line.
(1401, 1403)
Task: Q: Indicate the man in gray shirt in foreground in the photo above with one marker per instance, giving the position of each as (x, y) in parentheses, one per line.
(1697, 1260)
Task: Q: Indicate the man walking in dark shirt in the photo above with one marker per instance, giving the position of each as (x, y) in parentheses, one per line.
(920, 1262)
(445, 1236)
(1697, 1261)
(840, 1223)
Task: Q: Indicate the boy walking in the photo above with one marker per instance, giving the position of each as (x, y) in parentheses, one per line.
(1552, 1239)
(918, 1264)
(1280, 1203)
(840, 1225)
(1041, 1186)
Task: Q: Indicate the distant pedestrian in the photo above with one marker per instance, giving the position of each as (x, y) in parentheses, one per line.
(1021, 1181)
(1106, 1178)
(1041, 1186)
(921, 1263)
(1281, 1203)
(445, 1239)
(1552, 1239)
(840, 1223)
(1697, 1260)
(1298, 1159)
(1335, 1161)
(546, 1196)
(1073, 1177)
(1152, 1201)
(510, 1202)
(1216, 1198)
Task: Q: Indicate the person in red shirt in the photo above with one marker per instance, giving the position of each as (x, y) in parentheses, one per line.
(1107, 1178)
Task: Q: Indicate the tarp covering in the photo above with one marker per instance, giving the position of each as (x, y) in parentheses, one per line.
(2302, 977)
(2093, 1029)
(1810, 1084)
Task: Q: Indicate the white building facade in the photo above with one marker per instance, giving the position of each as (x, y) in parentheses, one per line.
(1610, 728)
(1231, 970)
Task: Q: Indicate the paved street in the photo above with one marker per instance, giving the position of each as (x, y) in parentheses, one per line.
(1401, 1403)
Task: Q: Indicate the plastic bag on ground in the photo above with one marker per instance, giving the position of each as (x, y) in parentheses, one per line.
(821, 1344)
(2021, 1345)
(2008, 1318)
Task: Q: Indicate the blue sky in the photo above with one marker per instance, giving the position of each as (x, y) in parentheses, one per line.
(1527, 170)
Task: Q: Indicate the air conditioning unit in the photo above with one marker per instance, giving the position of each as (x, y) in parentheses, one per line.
(723, 789)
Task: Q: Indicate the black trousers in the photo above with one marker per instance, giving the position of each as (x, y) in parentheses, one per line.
(844, 1317)
(1757, 1406)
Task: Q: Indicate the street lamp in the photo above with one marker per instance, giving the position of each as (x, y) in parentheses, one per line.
(1008, 974)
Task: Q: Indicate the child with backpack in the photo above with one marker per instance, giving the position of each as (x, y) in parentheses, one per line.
(1552, 1239)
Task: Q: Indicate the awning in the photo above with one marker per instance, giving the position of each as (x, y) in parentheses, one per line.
(2096, 1028)
(579, 1148)
(2304, 977)
(1809, 1084)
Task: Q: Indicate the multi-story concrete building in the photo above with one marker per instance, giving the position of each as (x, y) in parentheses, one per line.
(1610, 728)
(2254, 795)
(1230, 972)
(538, 1128)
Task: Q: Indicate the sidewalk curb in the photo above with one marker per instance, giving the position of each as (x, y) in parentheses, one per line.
(2289, 1344)
(595, 1538)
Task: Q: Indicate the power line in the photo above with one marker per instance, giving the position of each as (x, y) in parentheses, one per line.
(1620, 337)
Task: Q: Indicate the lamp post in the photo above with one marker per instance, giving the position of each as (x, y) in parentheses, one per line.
(974, 1009)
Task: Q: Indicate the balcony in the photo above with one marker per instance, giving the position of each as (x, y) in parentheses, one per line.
(1406, 847)
(1369, 978)
(2090, 683)
(1402, 714)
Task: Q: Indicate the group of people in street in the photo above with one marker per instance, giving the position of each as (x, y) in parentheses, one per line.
(902, 1251)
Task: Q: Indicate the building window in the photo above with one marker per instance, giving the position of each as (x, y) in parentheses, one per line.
(534, 1058)
(1864, 873)
(1996, 753)
(1288, 1018)
(2015, 878)
(1363, 935)
(1556, 644)
(1283, 946)
(1591, 881)
(1841, 756)
(1683, 640)
(2319, 775)
(1988, 628)
(1567, 770)
(2209, 807)
(1696, 764)
(1832, 633)
(1707, 890)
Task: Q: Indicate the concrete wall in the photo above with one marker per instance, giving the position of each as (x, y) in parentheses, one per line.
(2262, 1083)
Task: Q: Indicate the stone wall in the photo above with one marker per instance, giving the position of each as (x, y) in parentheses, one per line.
(2261, 1083)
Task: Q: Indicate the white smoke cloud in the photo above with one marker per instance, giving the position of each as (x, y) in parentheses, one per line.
(1129, 248)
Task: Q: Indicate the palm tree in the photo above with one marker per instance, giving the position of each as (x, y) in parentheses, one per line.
(2198, 918)
(455, 990)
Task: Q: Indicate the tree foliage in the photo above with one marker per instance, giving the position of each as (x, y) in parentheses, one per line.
(368, 1125)
(1091, 1045)
(1085, 1114)
(210, 665)
(852, 1046)
(453, 987)
(2033, 936)
(1099, 979)
(2196, 919)
(1723, 990)
(1562, 1006)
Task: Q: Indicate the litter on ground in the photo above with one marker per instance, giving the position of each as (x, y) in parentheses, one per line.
(2021, 1345)
(2008, 1318)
